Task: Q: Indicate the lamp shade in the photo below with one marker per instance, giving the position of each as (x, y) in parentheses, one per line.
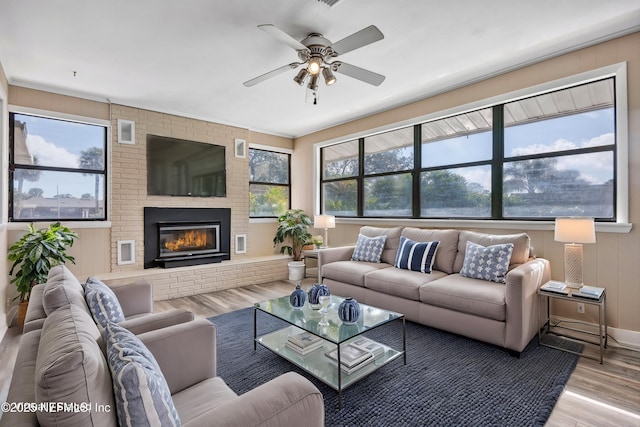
(324, 221)
(575, 230)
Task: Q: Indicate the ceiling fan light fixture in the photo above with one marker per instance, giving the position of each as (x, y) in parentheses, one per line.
(301, 76)
(329, 78)
(315, 64)
(313, 82)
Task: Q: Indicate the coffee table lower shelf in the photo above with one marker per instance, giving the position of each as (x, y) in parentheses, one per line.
(318, 364)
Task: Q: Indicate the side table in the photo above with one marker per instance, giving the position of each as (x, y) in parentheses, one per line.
(602, 322)
(312, 254)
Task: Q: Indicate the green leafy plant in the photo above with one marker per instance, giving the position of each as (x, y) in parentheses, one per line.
(293, 228)
(36, 252)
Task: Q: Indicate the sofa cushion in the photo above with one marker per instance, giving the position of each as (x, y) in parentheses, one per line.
(202, 398)
(400, 283)
(472, 296)
(487, 263)
(521, 245)
(351, 272)
(447, 249)
(391, 244)
(416, 256)
(102, 302)
(71, 367)
(368, 249)
(62, 288)
(141, 391)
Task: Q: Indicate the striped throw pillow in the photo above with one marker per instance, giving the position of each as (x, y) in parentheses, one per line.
(416, 256)
(141, 392)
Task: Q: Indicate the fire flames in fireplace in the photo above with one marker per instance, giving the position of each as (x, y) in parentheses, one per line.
(194, 239)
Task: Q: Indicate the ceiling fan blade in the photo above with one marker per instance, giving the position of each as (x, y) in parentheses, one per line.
(358, 73)
(281, 36)
(270, 74)
(357, 40)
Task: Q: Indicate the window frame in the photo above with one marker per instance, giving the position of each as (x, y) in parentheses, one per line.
(266, 148)
(45, 114)
(620, 153)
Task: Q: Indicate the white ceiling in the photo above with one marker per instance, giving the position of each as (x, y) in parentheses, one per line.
(191, 57)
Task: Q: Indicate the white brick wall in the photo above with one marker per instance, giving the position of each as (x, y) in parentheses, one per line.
(128, 172)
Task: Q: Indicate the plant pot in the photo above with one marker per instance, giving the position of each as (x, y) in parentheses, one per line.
(22, 313)
(296, 270)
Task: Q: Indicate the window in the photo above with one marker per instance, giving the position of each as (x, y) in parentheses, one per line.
(559, 153)
(269, 183)
(57, 169)
(537, 157)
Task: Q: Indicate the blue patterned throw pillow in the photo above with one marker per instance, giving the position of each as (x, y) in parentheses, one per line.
(416, 256)
(141, 392)
(369, 248)
(102, 302)
(487, 263)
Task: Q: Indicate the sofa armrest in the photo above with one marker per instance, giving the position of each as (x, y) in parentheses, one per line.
(522, 301)
(289, 399)
(135, 298)
(186, 353)
(341, 253)
(151, 322)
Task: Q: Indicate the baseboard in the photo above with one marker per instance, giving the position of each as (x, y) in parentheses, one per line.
(622, 338)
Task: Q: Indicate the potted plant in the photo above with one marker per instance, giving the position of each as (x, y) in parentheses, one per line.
(34, 255)
(293, 228)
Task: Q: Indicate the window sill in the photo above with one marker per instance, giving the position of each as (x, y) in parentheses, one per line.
(74, 225)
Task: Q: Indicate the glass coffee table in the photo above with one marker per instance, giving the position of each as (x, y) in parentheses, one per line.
(335, 335)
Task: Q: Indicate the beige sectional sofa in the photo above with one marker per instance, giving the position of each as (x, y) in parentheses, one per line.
(504, 314)
(67, 363)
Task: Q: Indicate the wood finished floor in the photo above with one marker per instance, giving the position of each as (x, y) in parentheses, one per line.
(595, 396)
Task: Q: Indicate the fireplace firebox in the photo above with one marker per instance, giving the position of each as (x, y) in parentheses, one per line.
(177, 237)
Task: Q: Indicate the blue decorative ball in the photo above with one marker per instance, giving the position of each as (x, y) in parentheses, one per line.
(316, 291)
(349, 311)
(298, 297)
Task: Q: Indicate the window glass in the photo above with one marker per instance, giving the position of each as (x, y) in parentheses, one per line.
(268, 200)
(572, 185)
(389, 152)
(582, 130)
(269, 188)
(57, 169)
(268, 166)
(460, 192)
(459, 139)
(389, 195)
(340, 160)
(340, 198)
(40, 194)
(58, 143)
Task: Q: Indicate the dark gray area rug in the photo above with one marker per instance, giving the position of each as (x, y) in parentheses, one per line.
(449, 380)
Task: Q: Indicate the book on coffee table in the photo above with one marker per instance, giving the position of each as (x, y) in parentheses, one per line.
(351, 357)
(303, 351)
(369, 345)
(304, 339)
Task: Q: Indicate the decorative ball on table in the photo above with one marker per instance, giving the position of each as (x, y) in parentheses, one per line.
(315, 292)
(298, 297)
(349, 311)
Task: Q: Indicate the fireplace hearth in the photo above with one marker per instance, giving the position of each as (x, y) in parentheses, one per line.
(178, 237)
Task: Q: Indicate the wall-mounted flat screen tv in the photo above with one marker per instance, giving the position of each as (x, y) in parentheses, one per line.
(177, 167)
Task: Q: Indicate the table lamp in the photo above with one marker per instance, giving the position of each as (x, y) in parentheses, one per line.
(326, 222)
(574, 231)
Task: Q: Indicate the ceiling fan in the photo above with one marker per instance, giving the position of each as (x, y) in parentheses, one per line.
(318, 54)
